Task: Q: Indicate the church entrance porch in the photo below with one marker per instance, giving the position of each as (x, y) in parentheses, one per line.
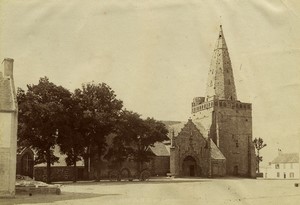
(189, 166)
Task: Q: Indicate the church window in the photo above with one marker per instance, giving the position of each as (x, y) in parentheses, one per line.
(276, 166)
(237, 143)
(292, 175)
(278, 174)
(227, 70)
(228, 82)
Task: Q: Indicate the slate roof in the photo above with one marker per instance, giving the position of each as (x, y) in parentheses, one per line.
(6, 94)
(286, 158)
(61, 161)
(201, 128)
(160, 149)
(215, 152)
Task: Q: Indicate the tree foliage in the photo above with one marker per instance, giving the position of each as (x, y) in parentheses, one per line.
(134, 137)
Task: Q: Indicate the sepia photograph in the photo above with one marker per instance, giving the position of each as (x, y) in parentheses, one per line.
(150, 102)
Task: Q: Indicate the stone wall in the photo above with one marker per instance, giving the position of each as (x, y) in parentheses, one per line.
(62, 173)
(160, 165)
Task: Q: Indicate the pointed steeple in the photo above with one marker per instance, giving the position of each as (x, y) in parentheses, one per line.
(220, 84)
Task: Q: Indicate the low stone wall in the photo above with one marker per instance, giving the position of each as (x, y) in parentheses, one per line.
(63, 173)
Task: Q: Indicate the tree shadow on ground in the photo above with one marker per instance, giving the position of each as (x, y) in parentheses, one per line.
(48, 198)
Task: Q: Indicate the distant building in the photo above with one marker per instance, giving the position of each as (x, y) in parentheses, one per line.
(284, 166)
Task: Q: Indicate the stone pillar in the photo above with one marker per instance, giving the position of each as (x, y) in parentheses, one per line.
(8, 130)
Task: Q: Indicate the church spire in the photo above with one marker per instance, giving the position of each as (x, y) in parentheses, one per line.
(220, 84)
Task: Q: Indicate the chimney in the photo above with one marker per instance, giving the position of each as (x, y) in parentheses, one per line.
(8, 67)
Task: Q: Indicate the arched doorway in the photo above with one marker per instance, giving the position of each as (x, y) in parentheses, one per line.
(189, 166)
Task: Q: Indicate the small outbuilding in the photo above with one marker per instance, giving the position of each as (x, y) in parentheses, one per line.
(25, 162)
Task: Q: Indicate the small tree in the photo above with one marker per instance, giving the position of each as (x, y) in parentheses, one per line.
(39, 110)
(259, 144)
(71, 133)
(129, 127)
(136, 135)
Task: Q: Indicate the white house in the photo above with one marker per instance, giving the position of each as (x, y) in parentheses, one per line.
(284, 166)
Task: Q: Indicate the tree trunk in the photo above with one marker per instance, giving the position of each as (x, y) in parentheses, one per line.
(258, 161)
(86, 167)
(74, 169)
(48, 166)
(98, 171)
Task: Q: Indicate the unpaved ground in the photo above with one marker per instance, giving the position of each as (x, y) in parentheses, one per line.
(177, 191)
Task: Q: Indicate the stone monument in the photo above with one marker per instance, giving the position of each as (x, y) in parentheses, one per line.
(8, 129)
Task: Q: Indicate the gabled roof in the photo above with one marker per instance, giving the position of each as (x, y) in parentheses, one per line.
(286, 158)
(22, 150)
(160, 149)
(7, 88)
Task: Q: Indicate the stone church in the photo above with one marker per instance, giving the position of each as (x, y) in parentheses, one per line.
(217, 140)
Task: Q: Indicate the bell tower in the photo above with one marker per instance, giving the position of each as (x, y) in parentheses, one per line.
(222, 117)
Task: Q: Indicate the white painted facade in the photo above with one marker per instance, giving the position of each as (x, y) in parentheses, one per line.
(281, 171)
(284, 166)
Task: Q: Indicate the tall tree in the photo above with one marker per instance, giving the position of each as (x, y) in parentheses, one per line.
(259, 144)
(101, 111)
(39, 110)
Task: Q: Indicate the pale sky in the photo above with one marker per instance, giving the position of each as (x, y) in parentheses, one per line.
(156, 55)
